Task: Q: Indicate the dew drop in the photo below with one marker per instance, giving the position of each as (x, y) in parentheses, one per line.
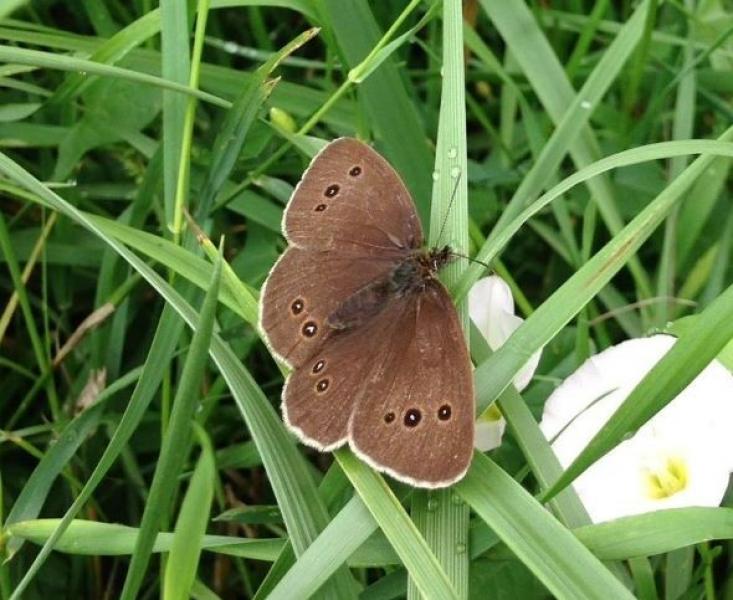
(455, 172)
(432, 504)
(230, 47)
(436, 175)
(452, 152)
(585, 105)
(456, 499)
(460, 548)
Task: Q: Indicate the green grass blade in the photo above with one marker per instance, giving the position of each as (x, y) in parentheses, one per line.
(31, 499)
(440, 515)
(175, 63)
(413, 550)
(182, 564)
(545, 547)
(49, 60)
(175, 443)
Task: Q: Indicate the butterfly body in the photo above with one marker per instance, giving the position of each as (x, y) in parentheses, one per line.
(410, 276)
(355, 308)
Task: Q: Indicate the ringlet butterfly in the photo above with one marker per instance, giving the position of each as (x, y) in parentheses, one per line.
(355, 308)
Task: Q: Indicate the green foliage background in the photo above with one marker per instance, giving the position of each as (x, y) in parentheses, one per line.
(141, 449)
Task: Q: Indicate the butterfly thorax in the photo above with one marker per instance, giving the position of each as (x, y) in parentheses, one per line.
(410, 275)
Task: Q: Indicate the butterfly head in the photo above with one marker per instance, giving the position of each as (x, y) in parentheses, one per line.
(436, 258)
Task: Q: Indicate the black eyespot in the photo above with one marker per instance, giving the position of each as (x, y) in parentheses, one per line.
(320, 208)
(444, 412)
(332, 190)
(297, 306)
(318, 367)
(389, 417)
(412, 417)
(355, 171)
(309, 329)
(322, 385)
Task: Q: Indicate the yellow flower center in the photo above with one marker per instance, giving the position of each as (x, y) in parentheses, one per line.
(666, 478)
(492, 414)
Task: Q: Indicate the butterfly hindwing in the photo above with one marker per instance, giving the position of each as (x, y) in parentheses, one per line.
(415, 417)
(321, 394)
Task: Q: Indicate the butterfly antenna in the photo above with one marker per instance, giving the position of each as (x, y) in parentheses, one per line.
(447, 212)
(458, 255)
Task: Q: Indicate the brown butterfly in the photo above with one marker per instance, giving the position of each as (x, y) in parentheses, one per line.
(354, 306)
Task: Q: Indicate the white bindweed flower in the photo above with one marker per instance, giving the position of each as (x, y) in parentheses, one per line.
(682, 457)
(491, 307)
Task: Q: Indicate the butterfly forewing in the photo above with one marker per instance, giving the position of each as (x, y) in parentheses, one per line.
(303, 289)
(351, 198)
(415, 417)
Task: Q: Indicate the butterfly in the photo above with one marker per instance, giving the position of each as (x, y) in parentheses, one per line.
(355, 308)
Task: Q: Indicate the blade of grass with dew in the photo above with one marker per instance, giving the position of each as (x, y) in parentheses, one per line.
(171, 458)
(545, 547)
(183, 559)
(420, 562)
(532, 51)
(392, 114)
(492, 376)
(302, 508)
(30, 501)
(694, 349)
(575, 117)
(440, 515)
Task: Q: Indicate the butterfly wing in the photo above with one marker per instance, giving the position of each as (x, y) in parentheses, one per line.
(350, 198)
(415, 418)
(303, 289)
(320, 395)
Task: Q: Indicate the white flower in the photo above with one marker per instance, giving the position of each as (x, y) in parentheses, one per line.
(682, 457)
(491, 307)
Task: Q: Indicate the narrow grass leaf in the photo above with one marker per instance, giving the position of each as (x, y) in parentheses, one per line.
(49, 60)
(546, 548)
(182, 563)
(172, 453)
(420, 562)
